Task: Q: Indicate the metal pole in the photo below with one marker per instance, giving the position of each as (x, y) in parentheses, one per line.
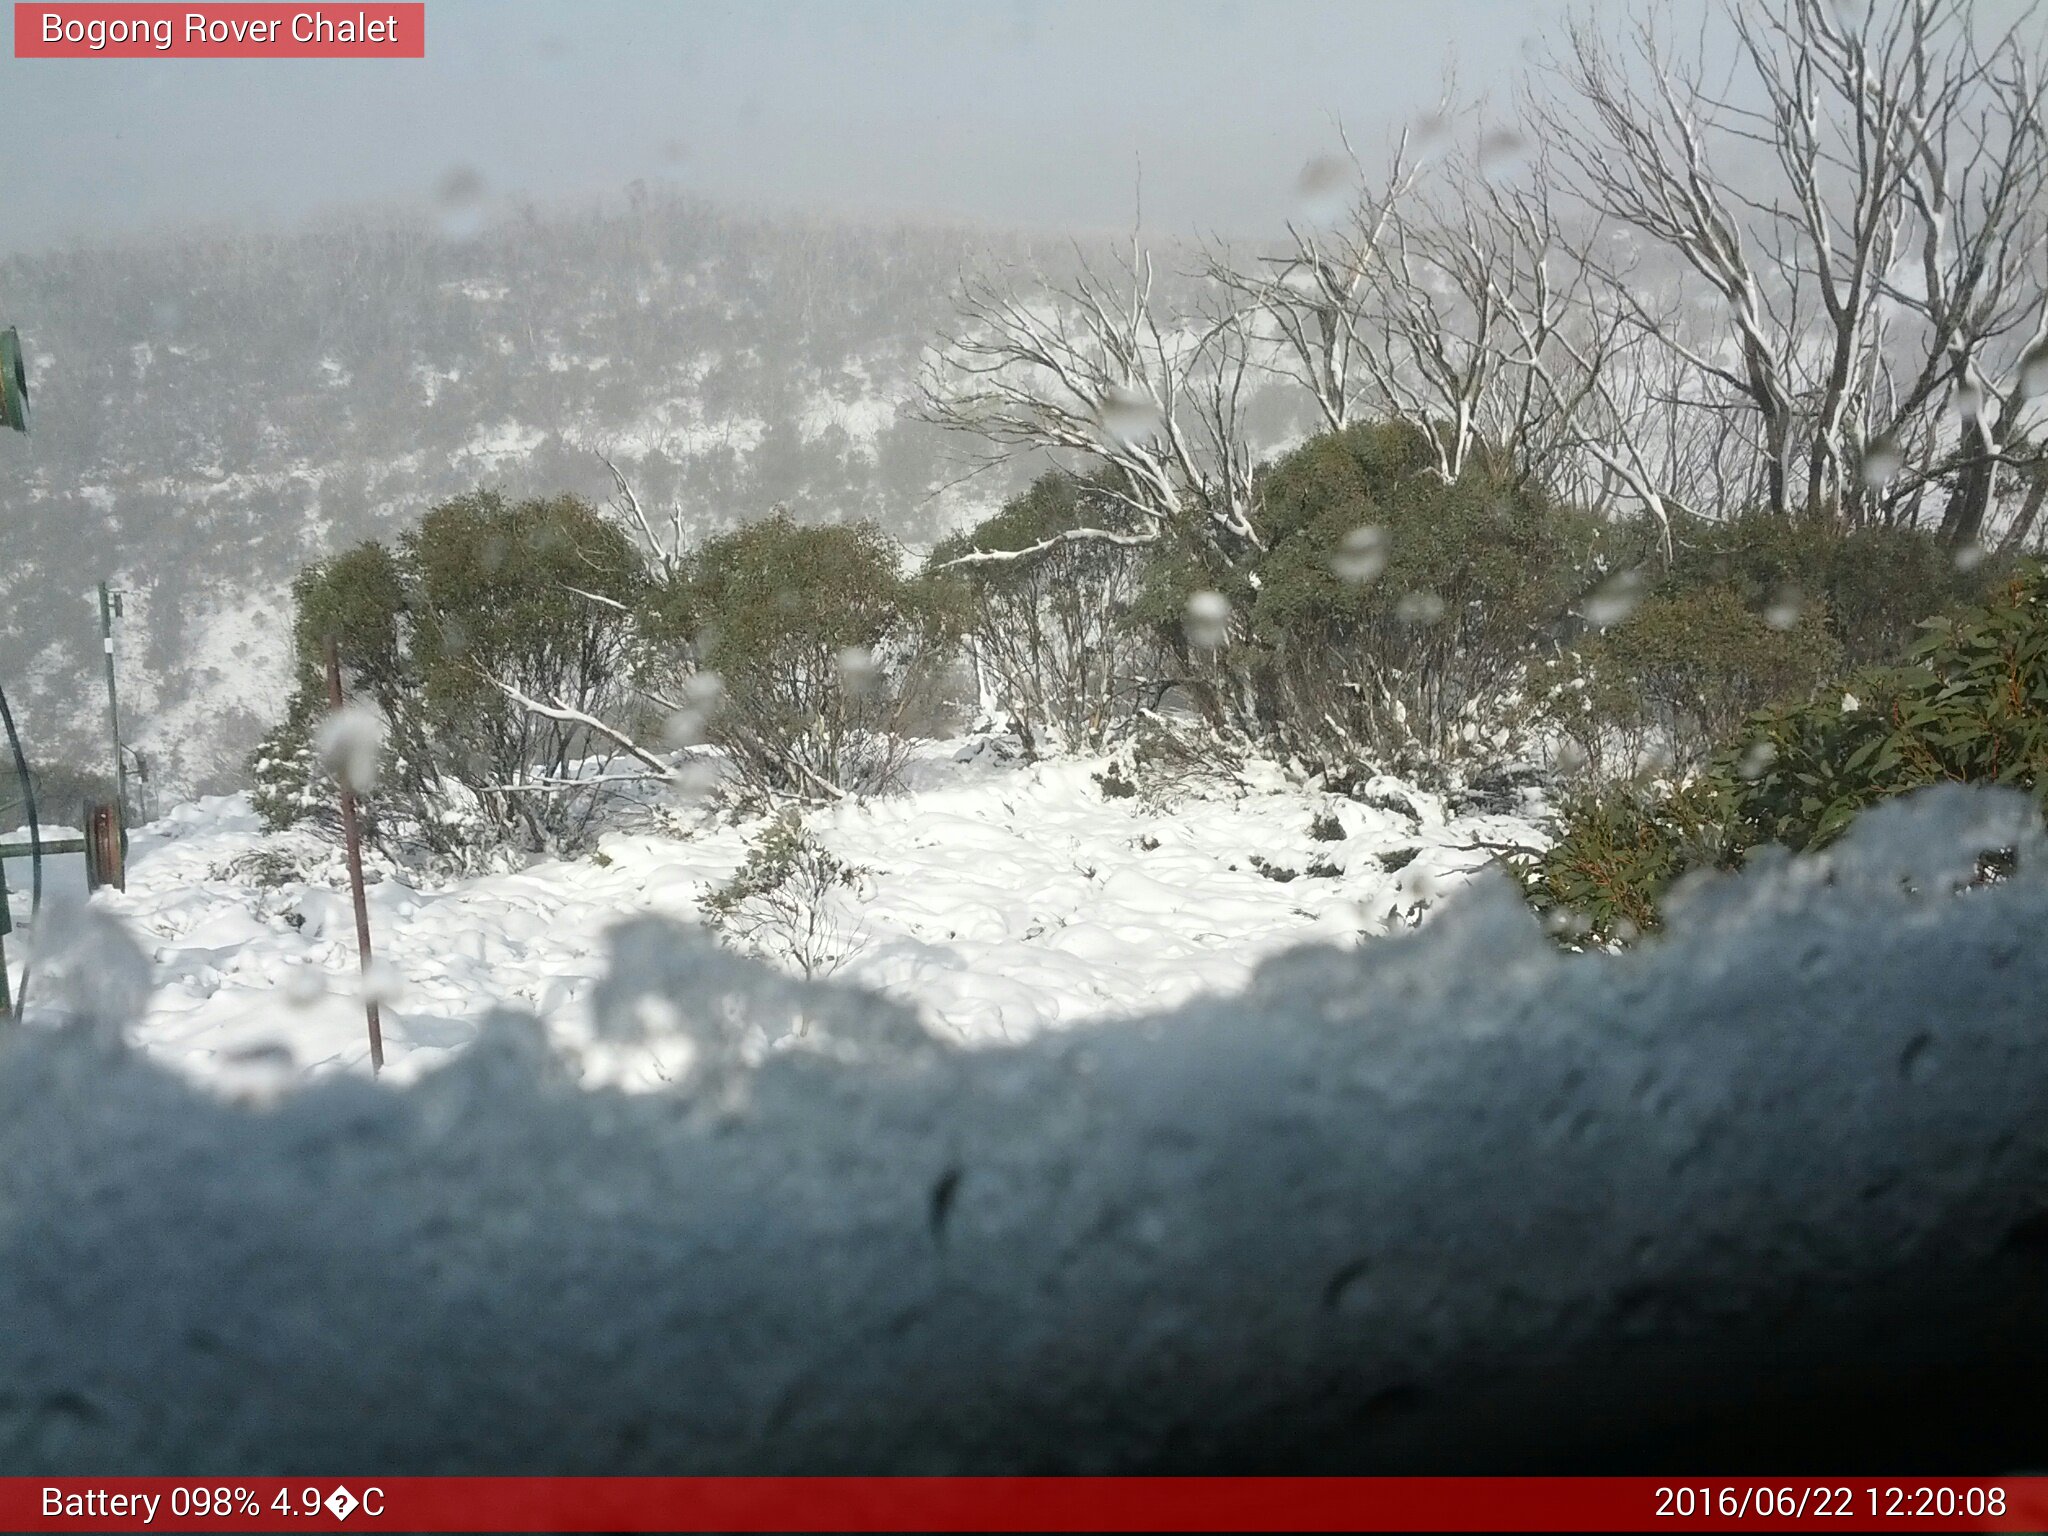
(352, 839)
(114, 719)
(35, 843)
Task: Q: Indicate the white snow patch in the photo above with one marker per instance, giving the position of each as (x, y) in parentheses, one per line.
(1000, 902)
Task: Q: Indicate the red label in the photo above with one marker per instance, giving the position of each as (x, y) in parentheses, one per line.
(262, 31)
(775, 1504)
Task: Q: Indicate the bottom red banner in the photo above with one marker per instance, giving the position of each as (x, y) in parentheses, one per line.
(491, 1504)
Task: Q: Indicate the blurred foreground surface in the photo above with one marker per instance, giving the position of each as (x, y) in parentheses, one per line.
(1772, 1193)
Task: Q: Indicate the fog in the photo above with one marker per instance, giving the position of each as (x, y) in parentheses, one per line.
(1032, 112)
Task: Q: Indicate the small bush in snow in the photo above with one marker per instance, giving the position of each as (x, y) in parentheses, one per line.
(1668, 682)
(1115, 783)
(1745, 614)
(1870, 585)
(266, 868)
(792, 900)
(1386, 616)
(1180, 759)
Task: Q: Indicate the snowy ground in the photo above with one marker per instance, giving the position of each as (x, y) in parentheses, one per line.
(1000, 900)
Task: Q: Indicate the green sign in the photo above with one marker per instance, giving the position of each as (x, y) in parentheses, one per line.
(13, 383)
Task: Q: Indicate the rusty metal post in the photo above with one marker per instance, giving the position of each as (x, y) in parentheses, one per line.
(105, 861)
(110, 606)
(352, 839)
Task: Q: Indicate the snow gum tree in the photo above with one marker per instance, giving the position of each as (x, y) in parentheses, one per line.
(1392, 615)
(1051, 637)
(825, 654)
(497, 641)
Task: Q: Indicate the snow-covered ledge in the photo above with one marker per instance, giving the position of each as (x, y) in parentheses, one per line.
(1451, 1200)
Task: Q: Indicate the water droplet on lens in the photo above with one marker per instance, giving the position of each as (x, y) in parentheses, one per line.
(381, 983)
(350, 746)
(1882, 462)
(1787, 604)
(1500, 151)
(1615, 598)
(1360, 555)
(859, 674)
(2034, 372)
(684, 728)
(459, 195)
(1419, 608)
(1208, 619)
(1129, 415)
(1320, 190)
(1968, 400)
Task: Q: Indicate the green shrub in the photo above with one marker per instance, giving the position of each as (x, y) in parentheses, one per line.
(1391, 615)
(1678, 675)
(1748, 613)
(790, 900)
(1969, 706)
(1620, 850)
(1050, 633)
(483, 596)
(1874, 584)
(825, 653)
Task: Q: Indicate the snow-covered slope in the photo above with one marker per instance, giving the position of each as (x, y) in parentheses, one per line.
(215, 412)
(998, 899)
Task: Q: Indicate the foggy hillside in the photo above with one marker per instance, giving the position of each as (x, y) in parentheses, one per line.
(212, 413)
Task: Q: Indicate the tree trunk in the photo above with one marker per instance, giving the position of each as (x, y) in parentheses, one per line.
(1962, 521)
(2022, 527)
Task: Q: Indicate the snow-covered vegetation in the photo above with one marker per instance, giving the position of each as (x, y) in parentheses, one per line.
(1466, 789)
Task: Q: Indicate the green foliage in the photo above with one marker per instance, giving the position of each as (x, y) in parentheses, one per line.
(1874, 584)
(513, 593)
(483, 596)
(788, 899)
(359, 599)
(1418, 663)
(1969, 706)
(1621, 850)
(285, 782)
(1747, 614)
(1050, 631)
(825, 651)
(1679, 674)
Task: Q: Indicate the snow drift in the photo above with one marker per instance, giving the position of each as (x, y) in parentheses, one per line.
(1452, 1200)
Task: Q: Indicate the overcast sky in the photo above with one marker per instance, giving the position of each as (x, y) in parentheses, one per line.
(1030, 112)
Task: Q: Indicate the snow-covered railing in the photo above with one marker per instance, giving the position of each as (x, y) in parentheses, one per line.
(1452, 1200)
